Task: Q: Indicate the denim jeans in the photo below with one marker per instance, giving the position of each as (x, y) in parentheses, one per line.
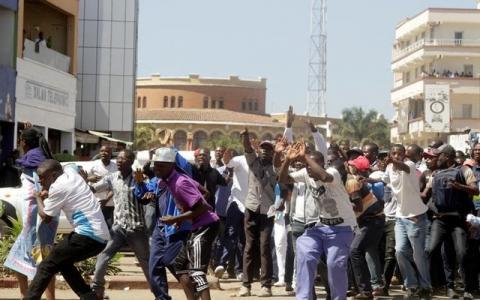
(410, 237)
(234, 239)
(137, 240)
(335, 242)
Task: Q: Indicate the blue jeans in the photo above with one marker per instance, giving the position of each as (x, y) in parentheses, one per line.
(156, 263)
(234, 238)
(334, 242)
(410, 236)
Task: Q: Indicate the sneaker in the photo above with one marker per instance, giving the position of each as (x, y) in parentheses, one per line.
(240, 277)
(352, 293)
(244, 292)
(265, 292)
(411, 293)
(219, 270)
(288, 287)
(380, 292)
(467, 296)
(451, 294)
(279, 284)
(425, 294)
(363, 296)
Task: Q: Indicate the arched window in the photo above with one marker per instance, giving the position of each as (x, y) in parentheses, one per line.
(205, 102)
(165, 101)
(180, 140)
(235, 135)
(180, 101)
(199, 139)
(139, 102)
(214, 103)
(244, 106)
(255, 106)
(250, 105)
(172, 101)
(144, 102)
(216, 135)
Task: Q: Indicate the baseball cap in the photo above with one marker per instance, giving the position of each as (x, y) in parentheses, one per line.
(431, 152)
(361, 163)
(267, 144)
(164, 155)
(447, 150)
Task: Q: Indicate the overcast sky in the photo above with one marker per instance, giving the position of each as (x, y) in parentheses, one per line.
(270, 38)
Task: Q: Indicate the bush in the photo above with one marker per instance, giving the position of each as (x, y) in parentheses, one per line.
(86, 267)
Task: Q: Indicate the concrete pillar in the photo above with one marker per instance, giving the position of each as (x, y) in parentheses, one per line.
(67, 141)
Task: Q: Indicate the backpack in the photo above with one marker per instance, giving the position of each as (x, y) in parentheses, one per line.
(446, 199)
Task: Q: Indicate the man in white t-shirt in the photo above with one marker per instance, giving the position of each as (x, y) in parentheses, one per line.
(68, 191)
(234, 227)
(332, 234)
(411, 223)
(101, 168)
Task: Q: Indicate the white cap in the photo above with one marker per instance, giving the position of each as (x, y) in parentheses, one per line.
(164, 155)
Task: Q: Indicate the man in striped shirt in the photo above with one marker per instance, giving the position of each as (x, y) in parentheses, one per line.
(128, 220)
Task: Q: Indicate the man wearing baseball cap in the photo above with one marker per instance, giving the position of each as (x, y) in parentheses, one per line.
(192, 262)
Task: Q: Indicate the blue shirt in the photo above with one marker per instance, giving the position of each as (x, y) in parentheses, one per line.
(165, 203)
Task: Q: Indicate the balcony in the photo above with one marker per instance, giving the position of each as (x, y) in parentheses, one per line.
(401, 53)
(459, 85)
(46, 56)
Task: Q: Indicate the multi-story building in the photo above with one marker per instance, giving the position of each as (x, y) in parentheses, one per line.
(436, 67)
(199, 109)
(107, 52)
(8, 10)
(46, 64)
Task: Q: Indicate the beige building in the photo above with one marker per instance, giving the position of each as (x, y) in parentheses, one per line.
(436, 68)
(199, 109)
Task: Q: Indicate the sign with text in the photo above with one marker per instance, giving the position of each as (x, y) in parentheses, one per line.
(40, 92)
(437, 108)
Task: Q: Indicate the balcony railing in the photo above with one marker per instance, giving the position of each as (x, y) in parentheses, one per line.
(435, 42)
(46, 56)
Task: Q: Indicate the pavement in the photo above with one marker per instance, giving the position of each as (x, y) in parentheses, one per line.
(131, 284)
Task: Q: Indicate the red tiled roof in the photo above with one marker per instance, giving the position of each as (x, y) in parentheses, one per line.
(205, 115)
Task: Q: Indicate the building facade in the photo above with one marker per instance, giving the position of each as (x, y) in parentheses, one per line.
(201, 110)
(436, 68)
(107, 54)
(8, 11)
(46, 56)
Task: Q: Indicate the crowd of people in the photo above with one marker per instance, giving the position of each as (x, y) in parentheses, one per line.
(290, 214)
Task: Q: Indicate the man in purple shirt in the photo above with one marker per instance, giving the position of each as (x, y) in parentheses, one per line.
(192, 262)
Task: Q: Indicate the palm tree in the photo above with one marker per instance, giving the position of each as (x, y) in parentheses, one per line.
(360, 127)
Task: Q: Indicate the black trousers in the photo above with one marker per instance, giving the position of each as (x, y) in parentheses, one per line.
(71, 249)
(390, 260)
(367, 238)
(258, 232)
(453, 227)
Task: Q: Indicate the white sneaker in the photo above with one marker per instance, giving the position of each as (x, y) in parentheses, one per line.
(265, 292)
(219, 272)
(279, 284)
(244, 292)
(240, 277)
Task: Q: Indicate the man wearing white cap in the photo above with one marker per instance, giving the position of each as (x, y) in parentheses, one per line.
(192, 262)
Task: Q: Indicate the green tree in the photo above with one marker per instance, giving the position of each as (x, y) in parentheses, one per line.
(360, 127)
(225, 141)
(144, 136)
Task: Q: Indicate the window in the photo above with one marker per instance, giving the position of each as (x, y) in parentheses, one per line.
(214, 103)
(172, 101)
(220, 104)
(205, 102)
(250, 105)
(244, 106)
(139, 102)
(407, 77)
(144, 104)
(458, 38)
(255, 106)
(165, 101)
(180, 101)
(468, 70)
(467, 111)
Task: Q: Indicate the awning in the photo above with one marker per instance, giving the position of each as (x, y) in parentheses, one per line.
(117, 140)
(86, 138)
(98, 133)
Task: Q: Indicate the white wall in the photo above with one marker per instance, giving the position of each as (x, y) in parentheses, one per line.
(447, 31)
(45, 96)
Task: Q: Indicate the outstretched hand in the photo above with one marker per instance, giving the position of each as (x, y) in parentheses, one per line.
(281, 145)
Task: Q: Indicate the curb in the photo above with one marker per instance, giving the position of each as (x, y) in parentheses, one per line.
(115, 283)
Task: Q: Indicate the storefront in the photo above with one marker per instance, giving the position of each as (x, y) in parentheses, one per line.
(46, 98)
